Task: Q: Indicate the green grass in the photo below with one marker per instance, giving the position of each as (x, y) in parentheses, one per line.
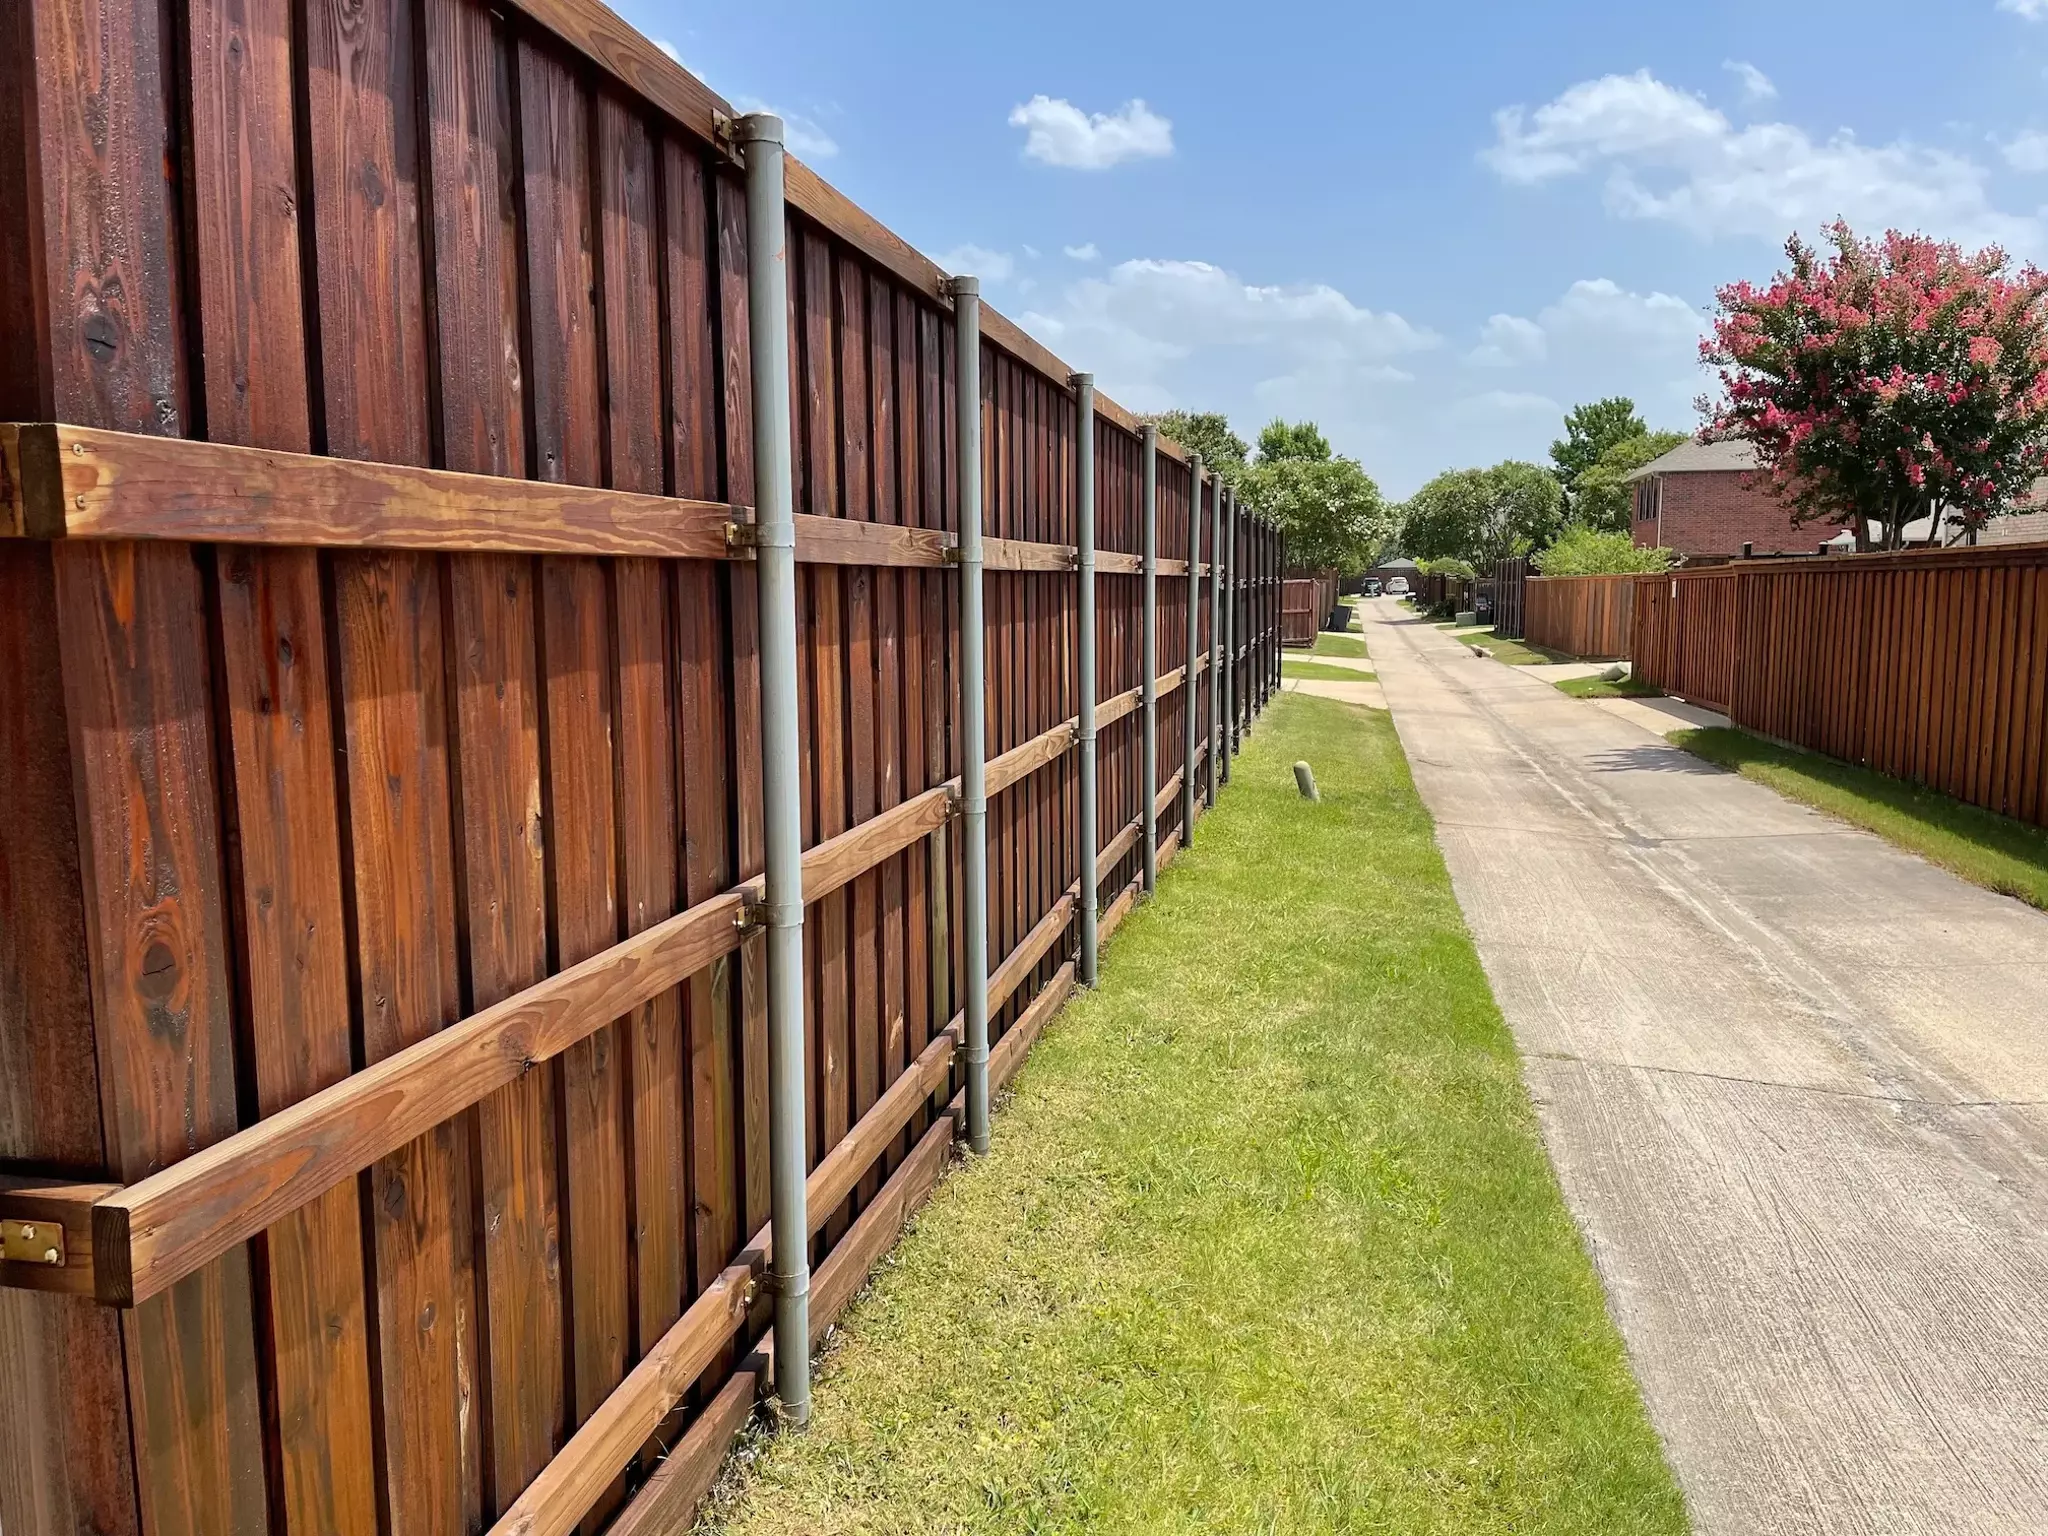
(1987, 849)
(1516, 653)
(1600, 688)
(1329, 643)
(1267, 1241)
(1316, 671)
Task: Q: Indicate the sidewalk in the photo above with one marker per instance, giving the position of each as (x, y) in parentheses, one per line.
(1793, 1082)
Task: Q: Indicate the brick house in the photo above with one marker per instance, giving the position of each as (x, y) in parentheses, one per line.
(1693, 500)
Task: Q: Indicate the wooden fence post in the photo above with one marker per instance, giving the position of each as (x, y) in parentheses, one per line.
(1148, 682)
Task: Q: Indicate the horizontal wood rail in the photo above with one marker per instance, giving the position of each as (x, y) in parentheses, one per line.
(67, 482)
(1022, 555)
(556, 1502)
(148, 1235)
(1116, 562)
(566, 1489)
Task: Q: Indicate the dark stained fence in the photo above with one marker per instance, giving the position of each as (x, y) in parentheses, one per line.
(1580, 615)
(380, 756)
(1510, 597)
(1930, 666)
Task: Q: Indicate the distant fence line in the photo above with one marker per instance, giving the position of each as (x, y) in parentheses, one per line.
(384, 1015)
(1931, 666)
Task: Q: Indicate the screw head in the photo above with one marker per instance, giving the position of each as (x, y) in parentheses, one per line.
(28, 1232)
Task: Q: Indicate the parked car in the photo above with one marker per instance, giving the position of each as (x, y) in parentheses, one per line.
(1372, 586)
(1397, 586)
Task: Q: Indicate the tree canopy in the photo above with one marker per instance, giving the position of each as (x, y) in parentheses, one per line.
(1589, 431)
(1292, 440)
(1887, 380)
(1329, 510)
(1581, 550)
(1207, 433)
(1602, 496)
(1483, 515)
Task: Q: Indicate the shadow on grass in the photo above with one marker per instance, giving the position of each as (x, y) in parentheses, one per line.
(1987, 849)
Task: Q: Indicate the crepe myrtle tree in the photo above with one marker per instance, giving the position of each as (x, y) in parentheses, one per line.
(1889, 380)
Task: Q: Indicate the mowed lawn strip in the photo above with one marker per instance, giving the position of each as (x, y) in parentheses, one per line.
(1266, 1242)
(1990, 850)
(1323, 672)
(1330, 643)
(1601, 688)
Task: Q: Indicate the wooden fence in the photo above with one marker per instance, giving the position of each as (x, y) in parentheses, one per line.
(1580, 615)
(382, 1024)
(1510, 597)
(1305, 603)
(1931, 666)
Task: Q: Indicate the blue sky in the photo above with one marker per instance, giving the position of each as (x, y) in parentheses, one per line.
(1431, 228)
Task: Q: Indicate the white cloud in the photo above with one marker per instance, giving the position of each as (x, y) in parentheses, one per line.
(1506, 340)
(1756, 85)
(1496, 403)
(1060, 133)
(806, 139)
(1669, 155)
(2032, 10)
(1597, 317)
(2027, 151)
(1083, 252)
(668, 48)
(978, 261)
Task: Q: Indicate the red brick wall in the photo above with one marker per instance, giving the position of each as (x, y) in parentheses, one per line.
(1711, 512)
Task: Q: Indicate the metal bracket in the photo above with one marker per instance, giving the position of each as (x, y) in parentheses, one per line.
(751, 918)
(31, 1242)
(742, 538)
(953, 553)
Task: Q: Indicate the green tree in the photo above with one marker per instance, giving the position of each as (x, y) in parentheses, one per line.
(1291, 440)
(1483, 515)
(1586, 551)
(1329, 510)
(1207, 433)
(1602, 496)
(1589, 431)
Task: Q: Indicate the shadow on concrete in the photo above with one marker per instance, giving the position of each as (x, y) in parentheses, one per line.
(1651, 759)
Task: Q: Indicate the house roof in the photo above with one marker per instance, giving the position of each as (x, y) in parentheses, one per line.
(1399, 563)
(1696, 458)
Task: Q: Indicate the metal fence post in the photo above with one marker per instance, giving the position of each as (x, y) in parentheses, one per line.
(966, 293)
(782, 906)
(1229, 731)
(1216, 640)
(1148, 754)
(1084, 405)
(1188, 678)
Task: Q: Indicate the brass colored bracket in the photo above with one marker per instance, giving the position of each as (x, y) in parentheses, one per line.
(32, 1242)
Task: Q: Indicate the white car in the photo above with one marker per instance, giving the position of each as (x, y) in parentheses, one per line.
(1397, 586)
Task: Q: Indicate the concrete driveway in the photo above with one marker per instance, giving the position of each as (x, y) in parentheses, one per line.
(1793, 1083)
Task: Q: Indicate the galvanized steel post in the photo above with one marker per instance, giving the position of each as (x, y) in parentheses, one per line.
(1187, 685)
(1216, 640)
(1229, 684)
(1148, 753)
(782, 904)
(1084, 562)
(966, 293)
